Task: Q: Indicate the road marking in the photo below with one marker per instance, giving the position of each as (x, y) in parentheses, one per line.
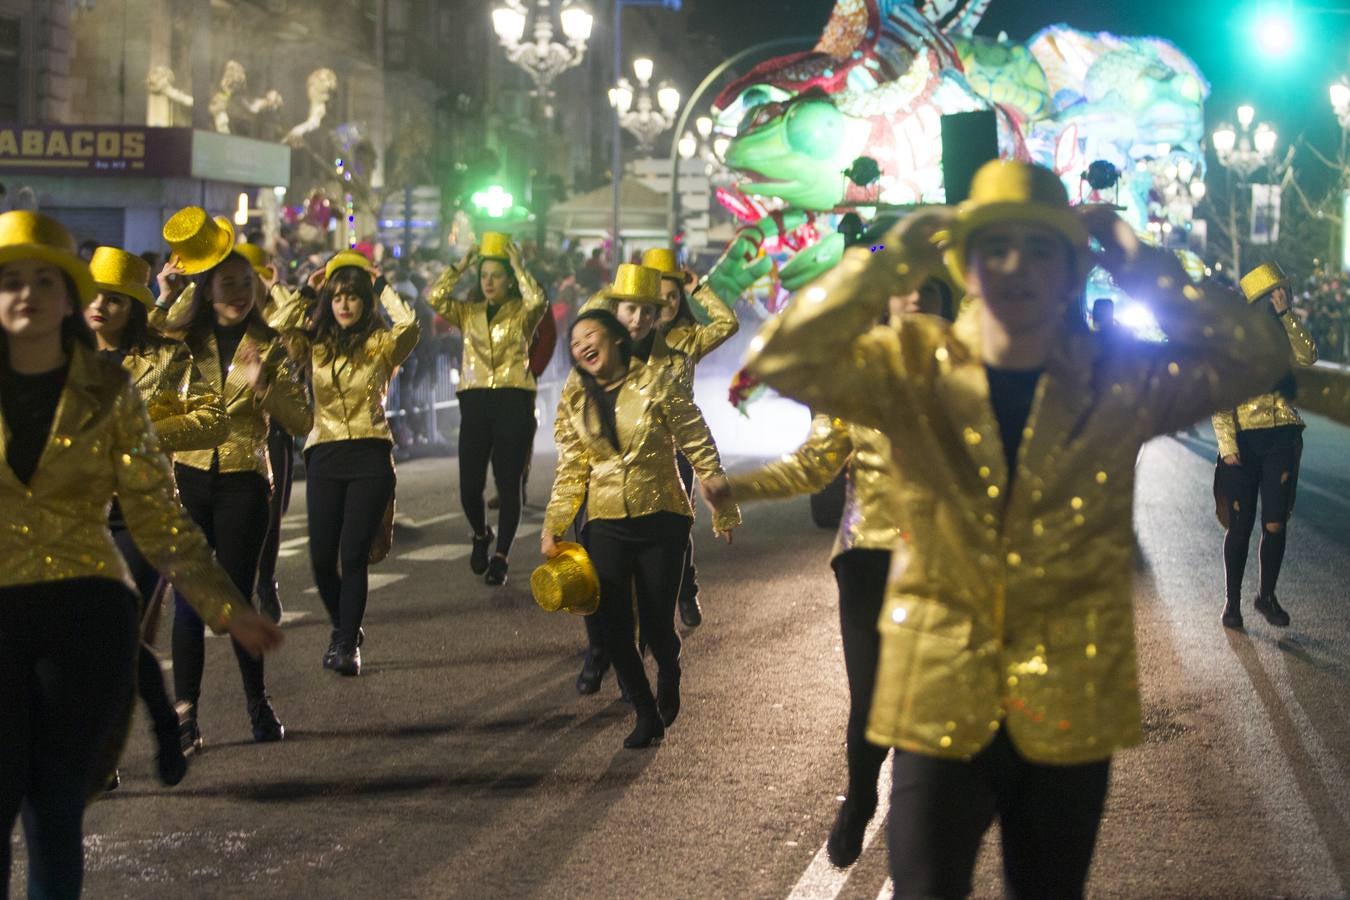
(822, 881)
(377, 581)
(434, 520)
(437, 553)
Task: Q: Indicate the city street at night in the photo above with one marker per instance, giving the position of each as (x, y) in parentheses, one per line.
(463, 764)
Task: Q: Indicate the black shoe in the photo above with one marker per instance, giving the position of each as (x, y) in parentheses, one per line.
(267, 728)
(592, 672)
(269, 603)
(1271, 609)
(668, 698)
(1232, 614)
(478, 559)
(330, 655)
(170, 762)
(845, 843)
(691, 614)
(347, 660)
(496, 571)
(189, 735)
(647, 732)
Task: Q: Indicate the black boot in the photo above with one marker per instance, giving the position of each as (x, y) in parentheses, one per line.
(189, 735)
(845, 843)
(347, 660)
(691, 614)
(647, 732)
(330, 655)
(170, 761)
(668, 696)
(1232, 614)
(478, 559)
(269, 601)
(267, 728)
(496, 571)
(592, 671)
(1271, 609)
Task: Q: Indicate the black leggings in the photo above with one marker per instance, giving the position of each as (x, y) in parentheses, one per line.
(67, 664)
(688, 575)
(281, 453)
(861, 576)
(344, 516)
(1268, 460)
(640, 556)
(231, 510)
(496, 426)
(149, 673)
(1048, 818)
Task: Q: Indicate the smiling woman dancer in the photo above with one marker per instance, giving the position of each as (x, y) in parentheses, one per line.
(616, 447)
(226, 489)
(187, 415)
(1007, 674)
(74, 434)
(496, 388)
(349, 464)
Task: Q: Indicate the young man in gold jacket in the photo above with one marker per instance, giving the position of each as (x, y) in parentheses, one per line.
(1007, 676)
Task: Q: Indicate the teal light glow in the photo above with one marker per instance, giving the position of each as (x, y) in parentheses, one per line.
(1273, 30)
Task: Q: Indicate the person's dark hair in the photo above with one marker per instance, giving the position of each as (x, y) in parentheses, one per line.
(204, 317)
(684, 313)
(512, 287)
(74, 329)
(136, 336)
(340, 341)
(948, 310)
(609, 428)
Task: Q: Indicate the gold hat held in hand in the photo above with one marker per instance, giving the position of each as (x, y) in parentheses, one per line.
(118, 272)
(29, 235)
(635, 284)
(199, 241)
(1262, 280)
(663, 260)
(567, 581)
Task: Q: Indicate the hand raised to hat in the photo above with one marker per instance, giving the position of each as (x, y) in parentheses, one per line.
(467, 261)
(514, 255)
(914, 242)
(171, 280)
(1119, 245)
(317, 278)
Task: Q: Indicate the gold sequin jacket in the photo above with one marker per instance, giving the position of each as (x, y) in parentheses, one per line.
(496, 353)
(350, 390)
(696, 340)
(655, 415)
(871, 511)
(1271, 409)
(102, 443)
(185, 410)
(1011, 606)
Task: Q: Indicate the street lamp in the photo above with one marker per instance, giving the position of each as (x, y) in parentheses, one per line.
(640, 114)
(1242, 151)
(704, 146)
(542, 56)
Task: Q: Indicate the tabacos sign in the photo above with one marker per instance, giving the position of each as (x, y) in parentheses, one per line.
(94, 150)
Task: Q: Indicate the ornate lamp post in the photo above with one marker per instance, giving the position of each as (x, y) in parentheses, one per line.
(705, 147)
(1242, 151)
(542, 56)
(640, 114)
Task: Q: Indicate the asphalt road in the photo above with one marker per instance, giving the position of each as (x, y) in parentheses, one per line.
(462, 763)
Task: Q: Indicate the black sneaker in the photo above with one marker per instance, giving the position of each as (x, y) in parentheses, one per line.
(648, 732)
(1271, 609)
(330, 655)
(478, 559)
(267, 728)
(691, 614)
(269, 602)
(1232, 614)
(496, 571)
(845, 843)
(592, 672)
(347, 660)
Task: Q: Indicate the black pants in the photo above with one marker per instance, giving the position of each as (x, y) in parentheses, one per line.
(67, 664)
(345, 512)
(495, 426)
(642, 557)
(1267, 468)
(688, 575)
(861, 576)
(1048, 818)
(231, 510)
(281, 453)
(149, 673)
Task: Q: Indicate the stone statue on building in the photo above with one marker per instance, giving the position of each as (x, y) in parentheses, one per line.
(232, 82)
(319, 87)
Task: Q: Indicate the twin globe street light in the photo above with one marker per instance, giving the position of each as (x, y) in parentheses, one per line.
(642, 114)
(543, 57)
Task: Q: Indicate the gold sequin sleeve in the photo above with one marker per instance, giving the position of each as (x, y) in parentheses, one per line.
(807, 470)
(441, 296)
(1225, 431)
(156, 520)
(1301, 343)
(290, 309)
(686, 424)
(697, 341)
(174, 321)
(285, 398)
(572, 476)
(1325, 390)
(404, 332)
(535, 300)
(191, 417)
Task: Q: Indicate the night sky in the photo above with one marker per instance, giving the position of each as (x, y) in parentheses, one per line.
(1291, 95)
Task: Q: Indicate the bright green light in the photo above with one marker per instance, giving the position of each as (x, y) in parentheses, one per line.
(1274, 32)
(494, 201)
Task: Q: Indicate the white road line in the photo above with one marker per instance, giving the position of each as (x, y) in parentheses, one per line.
(437, 553)
(377, 581)
(822, 881)
(434, 520)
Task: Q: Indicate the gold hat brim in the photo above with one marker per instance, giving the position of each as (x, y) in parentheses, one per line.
(1262, 281)
(972, 216)
(548, 593)
(68, 262)
(221, 245)
(347, 259)
(616, 296)
(139, 291)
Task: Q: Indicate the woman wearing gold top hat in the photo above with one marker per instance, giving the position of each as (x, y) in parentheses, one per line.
(74, 434)
(226, 488)
(349, 465)
(869, 530)
(616, 452)
(1260, 444)
(1007, 675)
(496, 388)
(187, 415)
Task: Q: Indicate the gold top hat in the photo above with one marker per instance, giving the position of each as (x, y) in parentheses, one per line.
(567, 581)
(493, 245)
(1006, 190)
(637, 284)
(120, 272)
(347, 259)
(29, 235)
(257, 258)
(663, 260)
(1262, 280)
(199, 241)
